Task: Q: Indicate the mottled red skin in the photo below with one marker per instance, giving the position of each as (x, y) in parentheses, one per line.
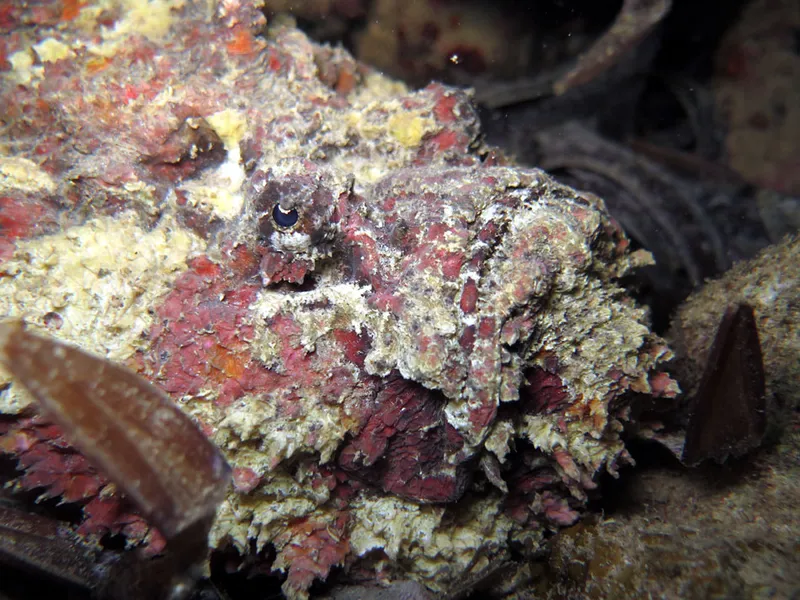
(92, 126)
(404, 443)
(51, 466)
(311, 548)
(537, 494)
(452, 142)
(22, 217)
(543, 392)
(186, 360)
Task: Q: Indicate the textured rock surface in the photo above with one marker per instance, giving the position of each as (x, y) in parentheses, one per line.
(715, 532)
(770, 283)
(411, 355)
(757, 91)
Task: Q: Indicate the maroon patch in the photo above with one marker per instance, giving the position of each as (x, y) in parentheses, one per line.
(19, 219)
(445, 107)
(542, 392)
(405, 446)
(355, 345)
(467, 339)
(469, 297)
(276, 268)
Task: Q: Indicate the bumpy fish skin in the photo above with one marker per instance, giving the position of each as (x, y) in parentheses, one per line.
(384, 386)
(411, 352)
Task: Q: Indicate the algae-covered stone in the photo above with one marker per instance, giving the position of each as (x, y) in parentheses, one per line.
(770, 283)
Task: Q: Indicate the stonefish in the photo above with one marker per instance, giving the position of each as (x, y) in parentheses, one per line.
(412, 356)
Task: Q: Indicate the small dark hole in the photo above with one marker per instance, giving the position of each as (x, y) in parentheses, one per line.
(284, 218)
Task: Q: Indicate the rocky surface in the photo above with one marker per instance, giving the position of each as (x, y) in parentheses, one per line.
(770, 283)
(757, 93)
(715, 532)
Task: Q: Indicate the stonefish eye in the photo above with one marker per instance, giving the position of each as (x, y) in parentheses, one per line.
(284, 218)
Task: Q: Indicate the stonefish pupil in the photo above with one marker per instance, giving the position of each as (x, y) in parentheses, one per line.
(284, 218)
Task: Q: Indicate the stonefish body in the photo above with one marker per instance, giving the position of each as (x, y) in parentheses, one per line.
(411, 357)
